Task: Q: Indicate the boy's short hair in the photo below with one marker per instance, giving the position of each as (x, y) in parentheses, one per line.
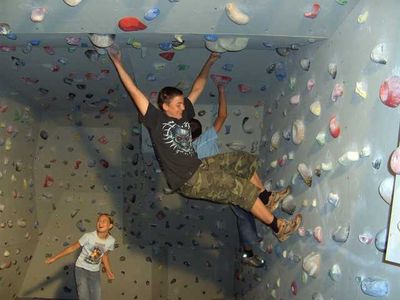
(110, 218)
(166, 94)
(196, 128)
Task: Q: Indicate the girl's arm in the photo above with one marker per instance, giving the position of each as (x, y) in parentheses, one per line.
(63, 253)
(106, 263)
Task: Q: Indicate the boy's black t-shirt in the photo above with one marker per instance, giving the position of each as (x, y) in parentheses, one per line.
(172, 142)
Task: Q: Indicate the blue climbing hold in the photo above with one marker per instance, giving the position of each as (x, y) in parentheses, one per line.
(211, 37)
(35, 42)
(165, 46)
(227, 67)
(11, 36)
(267, 44)
(151, 14)
(280, 71)
(151, 77)
(375, 287)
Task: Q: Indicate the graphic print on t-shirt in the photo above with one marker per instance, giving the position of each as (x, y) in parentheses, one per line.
(95, 254)
(178, 137)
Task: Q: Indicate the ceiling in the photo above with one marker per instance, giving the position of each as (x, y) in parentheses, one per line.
(272, 24)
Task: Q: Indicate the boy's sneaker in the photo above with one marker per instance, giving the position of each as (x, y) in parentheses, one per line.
(253, 261)
(286, 228)
(276, 198)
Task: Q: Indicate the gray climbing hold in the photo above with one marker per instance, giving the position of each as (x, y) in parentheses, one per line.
(289, 205)
(381, 240)
(341, 234)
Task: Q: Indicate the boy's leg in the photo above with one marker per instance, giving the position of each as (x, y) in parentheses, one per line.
(255, 179)
(282, 228)
(95, 286)
(248, 237)
(82, 283)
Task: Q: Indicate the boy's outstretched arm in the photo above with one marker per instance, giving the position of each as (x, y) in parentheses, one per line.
(222, 109)
(201, 80)
(106, 263)
(138, 98)
(66, 251)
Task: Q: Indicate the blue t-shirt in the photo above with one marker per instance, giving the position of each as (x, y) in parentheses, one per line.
(206, 144)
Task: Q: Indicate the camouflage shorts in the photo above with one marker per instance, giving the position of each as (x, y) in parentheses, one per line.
(224, 178)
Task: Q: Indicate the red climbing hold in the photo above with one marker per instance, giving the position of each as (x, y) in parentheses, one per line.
(390, 91)
(131, 24)
(167, 55)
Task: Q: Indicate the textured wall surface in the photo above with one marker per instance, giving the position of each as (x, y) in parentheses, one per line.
(363, 123)
(18, 212)
(66, 115)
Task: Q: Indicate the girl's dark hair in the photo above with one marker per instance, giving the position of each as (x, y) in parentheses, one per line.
(196, 128)
(166, 94)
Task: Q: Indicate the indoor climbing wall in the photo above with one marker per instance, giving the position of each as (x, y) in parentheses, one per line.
(19, 228)
(331, 125)
(313, 97)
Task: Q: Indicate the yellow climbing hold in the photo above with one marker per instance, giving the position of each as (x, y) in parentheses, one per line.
(363, 17)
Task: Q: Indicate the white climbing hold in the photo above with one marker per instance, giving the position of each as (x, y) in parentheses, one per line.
(235, 14)
(333, 199)
(332, 70)
(305, 173)
(72, 2)
(233, 43)
(361, 89)
(335, 273)
(298, 132)
(275, 139)
(295, 99)
(305, 64)
(379, 54)
(312, 264)
(321, 138)
(365, 151)
(102, 40)
(349, 157)
(386, 189)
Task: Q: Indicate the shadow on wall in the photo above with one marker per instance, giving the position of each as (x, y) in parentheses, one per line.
(64, 286)
(186, 242)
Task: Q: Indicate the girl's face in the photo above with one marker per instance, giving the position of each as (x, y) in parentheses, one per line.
(103, 224)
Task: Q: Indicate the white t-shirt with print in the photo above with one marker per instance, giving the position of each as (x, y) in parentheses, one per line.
(93, 249)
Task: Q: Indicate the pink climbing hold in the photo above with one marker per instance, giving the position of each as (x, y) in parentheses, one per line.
(317, 233)
(294, 288)
(310, 84)
(49, 50)
(390, 91)
(314, 12)
(104, 163)
(220, 79)
(334, 127)
(395, 161)
(29, 80)
(337, 92)
(77, 164)
(103, 140)
(5, 48)
(48, 181)
(243, 88)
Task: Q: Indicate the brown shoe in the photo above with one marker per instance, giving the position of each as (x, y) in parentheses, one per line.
(286, 228)
(276, 197)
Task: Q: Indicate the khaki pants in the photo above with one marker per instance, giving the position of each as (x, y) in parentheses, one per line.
(224, 178)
